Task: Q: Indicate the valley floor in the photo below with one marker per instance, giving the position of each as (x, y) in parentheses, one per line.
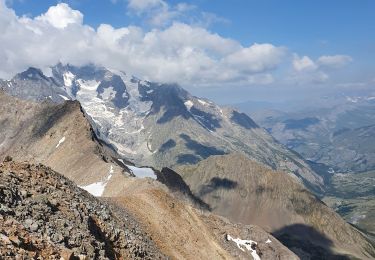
(353, 197)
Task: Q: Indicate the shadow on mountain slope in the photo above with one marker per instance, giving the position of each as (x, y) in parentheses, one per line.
(243, 120)
(200, 149)
(178, 186)
(307, 242)
(217, 183)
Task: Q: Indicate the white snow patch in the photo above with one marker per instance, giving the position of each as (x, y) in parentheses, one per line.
(68, 78)
(88, 85)
(204, 103)
(189, 104)
(60, 142)
(245, 244)
(142, 172)
(356, 218)
(108, 94)
(268, 241)
(64, 97)
(98, 188)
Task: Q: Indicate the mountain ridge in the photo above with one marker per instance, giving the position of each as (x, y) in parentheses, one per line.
(164, 125)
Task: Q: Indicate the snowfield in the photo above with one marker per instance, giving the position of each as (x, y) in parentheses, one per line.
(142, 172)
(245, 244)
(98, 188)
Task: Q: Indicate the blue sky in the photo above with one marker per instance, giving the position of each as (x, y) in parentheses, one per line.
(343, 31)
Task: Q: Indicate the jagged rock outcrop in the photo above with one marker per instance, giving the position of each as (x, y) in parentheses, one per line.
(42, 214)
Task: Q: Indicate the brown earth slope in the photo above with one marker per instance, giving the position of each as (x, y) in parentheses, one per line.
(247, 192)
(184, 232)
(59, 136)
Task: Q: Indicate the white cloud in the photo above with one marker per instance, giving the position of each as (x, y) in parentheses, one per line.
(188, 54)
(303, 64)
(61, 15)
(145, 5)
(334, 61)
(181, 53)
(159, 13)
(308, 71)
(256, 58)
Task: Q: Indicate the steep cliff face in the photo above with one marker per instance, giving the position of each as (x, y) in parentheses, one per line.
(59, 136)
(246, 192)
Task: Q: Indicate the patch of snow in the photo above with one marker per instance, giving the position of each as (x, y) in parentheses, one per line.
(115, 124)
(142, 172)
(60, 142)
(144, 83)
(108, 94)
(331, 171)
(88, 85)
(245, 244)
(204, 103)
(188, 104)
(268, 241)
(68, 78)
(98, 188)
(354, 220)
(64, 97)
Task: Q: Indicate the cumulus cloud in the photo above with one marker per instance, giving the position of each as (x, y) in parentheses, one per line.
(61, 15)
(334, 61)
(308, 71)
(303, 64)
(182, 53)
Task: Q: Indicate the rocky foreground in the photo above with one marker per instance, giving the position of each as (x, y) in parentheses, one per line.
(44, 215)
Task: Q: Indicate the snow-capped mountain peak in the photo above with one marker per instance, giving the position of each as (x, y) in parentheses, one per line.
(159, 124)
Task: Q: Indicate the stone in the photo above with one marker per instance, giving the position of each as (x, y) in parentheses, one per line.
(15, 240)
(34, 227)
(8, 158)
(66, 254)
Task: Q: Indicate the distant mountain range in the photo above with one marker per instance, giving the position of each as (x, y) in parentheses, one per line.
(340, 136)
(155, 124)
